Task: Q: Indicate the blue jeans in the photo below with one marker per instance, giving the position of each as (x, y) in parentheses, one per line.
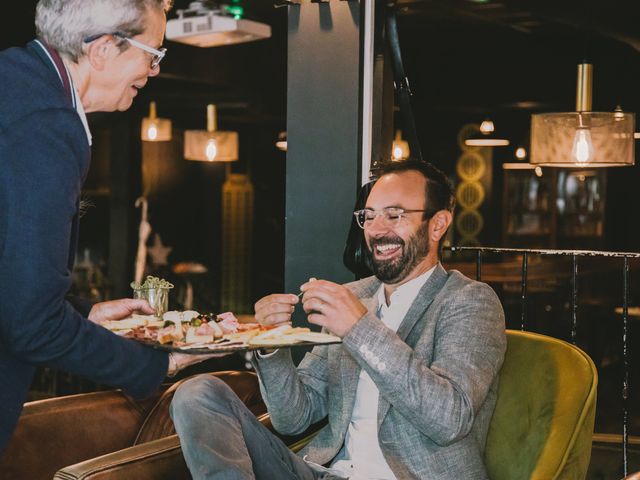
(222, 439)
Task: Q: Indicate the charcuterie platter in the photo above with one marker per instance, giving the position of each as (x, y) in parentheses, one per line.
(192, 332)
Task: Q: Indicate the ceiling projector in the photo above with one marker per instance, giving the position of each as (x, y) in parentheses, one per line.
(205, 24)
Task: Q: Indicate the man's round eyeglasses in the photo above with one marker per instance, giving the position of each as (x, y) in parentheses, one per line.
(391, 216)
(156, 54)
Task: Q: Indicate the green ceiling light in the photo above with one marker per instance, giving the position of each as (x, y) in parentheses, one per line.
(236, 10)
(583, 138)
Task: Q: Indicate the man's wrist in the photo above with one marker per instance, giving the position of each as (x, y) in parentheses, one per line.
(173, 366)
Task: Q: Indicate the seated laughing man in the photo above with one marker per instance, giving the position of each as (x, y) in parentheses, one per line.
(410, 391)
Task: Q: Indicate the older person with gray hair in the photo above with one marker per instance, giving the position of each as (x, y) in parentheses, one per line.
(90, 55)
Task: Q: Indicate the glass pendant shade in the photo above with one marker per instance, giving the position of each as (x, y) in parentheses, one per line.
(400, 148)
(155, 129)
(595, 139)
(211, 145)
(583, 138)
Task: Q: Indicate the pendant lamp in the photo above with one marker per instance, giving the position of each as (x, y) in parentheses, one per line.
(211, 145)
(399, 148)
(486, 137)
(281, 143)
(583, 138)
(155, 129)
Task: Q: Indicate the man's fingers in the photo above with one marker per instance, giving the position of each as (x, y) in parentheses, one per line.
(140, 305)
(277, 318)
(318, 284)
(317, 319)
(315, 304)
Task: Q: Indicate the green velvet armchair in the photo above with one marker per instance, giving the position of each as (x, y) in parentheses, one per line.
(543, 422)
(542, 426)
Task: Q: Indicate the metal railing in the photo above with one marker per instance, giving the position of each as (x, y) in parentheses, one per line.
(575, 255)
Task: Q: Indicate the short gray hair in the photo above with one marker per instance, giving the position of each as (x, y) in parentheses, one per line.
(64, 24)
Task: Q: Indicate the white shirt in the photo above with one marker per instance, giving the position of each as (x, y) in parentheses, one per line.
(361, 457)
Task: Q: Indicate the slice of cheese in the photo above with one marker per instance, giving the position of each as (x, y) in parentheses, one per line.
(192, 337)
(274, 332)
(315, 337)
(279, 340)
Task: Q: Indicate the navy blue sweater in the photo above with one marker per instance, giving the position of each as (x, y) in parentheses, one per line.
(44, 158)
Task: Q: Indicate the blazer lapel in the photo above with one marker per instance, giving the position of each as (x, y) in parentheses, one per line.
(424, 298)
(416, 312)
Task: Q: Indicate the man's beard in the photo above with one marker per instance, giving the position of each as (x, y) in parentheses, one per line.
(398, 268)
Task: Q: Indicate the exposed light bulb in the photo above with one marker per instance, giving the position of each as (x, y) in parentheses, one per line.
(487, 127)
(618, 114)
(582, 146)
(538, 171)
(211, 150)
(521, 153)
(152, 132)
(397, 152)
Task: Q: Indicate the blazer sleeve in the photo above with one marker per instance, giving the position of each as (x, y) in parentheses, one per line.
(443, 397)
(43, 159)
(295, 397)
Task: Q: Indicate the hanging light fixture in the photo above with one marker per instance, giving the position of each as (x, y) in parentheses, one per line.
(211, 145)
(521, 153)
(155, 129)
(583, 138)
(486, 137)
(281, 143)
(400, 148)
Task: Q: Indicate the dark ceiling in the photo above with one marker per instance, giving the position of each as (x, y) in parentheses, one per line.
(465, 57)
(614, 19)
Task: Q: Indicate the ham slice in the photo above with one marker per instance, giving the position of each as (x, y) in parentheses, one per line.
(209, 329)
(228, 322)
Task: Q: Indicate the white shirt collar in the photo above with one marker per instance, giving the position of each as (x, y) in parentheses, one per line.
(407, 292)
(80, 110)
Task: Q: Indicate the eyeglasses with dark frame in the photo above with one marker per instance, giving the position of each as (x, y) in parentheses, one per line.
(157, 54)
(391, 216)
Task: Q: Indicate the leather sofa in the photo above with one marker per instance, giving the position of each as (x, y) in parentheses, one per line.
(107, 435)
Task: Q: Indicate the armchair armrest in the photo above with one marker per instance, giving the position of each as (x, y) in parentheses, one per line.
(155, 460)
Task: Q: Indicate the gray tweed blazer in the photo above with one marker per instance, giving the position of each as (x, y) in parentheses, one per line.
(437, 378)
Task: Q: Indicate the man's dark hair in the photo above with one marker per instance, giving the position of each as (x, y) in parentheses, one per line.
(439, 193)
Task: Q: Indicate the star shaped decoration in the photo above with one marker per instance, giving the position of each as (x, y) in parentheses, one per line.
(159, 252)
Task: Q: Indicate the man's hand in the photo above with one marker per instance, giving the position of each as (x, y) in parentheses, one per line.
(276, 308)
(119, 309)
(332, 306)
(180, 361)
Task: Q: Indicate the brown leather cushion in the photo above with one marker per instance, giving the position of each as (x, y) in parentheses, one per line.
(158, 423)
(65, 430)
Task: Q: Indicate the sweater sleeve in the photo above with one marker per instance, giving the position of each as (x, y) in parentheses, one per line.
(43, 160)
